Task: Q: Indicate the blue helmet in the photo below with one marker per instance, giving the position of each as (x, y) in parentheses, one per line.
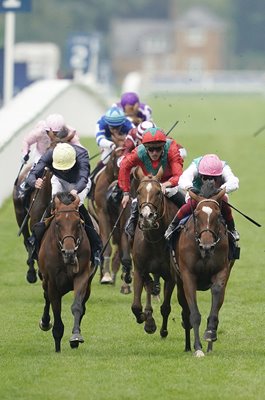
(115, 116)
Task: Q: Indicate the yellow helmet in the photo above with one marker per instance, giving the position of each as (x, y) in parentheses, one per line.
(64, 156)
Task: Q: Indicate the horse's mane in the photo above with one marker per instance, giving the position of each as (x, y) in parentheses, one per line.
(65, 197)
(208, 189)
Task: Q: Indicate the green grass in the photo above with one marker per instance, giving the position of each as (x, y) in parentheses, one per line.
(118, 360)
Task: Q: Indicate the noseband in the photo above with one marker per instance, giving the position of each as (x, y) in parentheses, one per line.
(61, 241)
(155, 209)
(198, 235)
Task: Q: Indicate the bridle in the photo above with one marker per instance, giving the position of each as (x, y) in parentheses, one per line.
(216, 235)
(156, 215)
(60, 241)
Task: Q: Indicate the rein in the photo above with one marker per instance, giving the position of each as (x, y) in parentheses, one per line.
(61, 241)
(199, 234)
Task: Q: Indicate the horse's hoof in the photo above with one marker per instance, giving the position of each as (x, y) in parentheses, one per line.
(163, 333)
(125, 290)
(32, 276)
(199, 354)
(210, 336)
(106, 279)
(45, 327)
(150, 327)
(75, 340)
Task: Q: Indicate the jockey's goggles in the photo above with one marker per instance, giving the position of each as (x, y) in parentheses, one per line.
(152, 149)
(209, 177)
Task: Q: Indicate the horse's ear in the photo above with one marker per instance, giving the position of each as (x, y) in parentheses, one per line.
(139, 173)
(219, 195)
(160, 173)
(56, 202)
(76, 202)
(194, 196)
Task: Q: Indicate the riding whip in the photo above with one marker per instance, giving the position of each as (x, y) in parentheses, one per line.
(94, 156)
(22, 165)
(171, 129)
(244, 215)
(111, 233)
(31, 205)
(259, 131)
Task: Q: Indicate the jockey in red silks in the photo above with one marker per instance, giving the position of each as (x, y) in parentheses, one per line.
(155, 151)
(134, 109)
(208, 167)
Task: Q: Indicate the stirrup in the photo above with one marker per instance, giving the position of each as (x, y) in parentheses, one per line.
(235, 235)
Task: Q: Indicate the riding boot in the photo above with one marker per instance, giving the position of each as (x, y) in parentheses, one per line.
(232, 229)
(93, 236)
(178, 199)
(132, 221)
(171, 228)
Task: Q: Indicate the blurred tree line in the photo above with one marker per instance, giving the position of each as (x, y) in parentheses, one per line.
(56, 20)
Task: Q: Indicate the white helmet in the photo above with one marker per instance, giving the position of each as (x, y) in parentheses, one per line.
(142, 127)
(54, 122)
(64, 156)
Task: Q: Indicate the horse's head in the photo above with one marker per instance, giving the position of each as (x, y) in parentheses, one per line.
(207, 219)
(67, 226)
(150, 200)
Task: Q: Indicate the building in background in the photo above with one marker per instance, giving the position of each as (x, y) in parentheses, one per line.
(193, 42)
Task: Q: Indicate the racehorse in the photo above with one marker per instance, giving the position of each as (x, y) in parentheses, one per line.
(150, 251)
(200, 262)
(64, 263)
(107, 214)
(40, 203)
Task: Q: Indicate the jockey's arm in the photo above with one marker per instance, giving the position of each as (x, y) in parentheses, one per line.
(187, 177)
(231, 182)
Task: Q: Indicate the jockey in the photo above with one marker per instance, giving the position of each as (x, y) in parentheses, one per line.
(52, 129)
(70, 167)
(113, 126)
(134, 109)
(203, 168)
(43, 134)
(155, 151)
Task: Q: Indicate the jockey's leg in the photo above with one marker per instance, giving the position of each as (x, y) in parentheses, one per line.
(182, 213)
(132, 221)
(93, 236)
(227, 214)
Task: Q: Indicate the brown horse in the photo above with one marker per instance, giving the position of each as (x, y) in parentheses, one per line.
(150, 251)
(40, 200)
(107, 214)
(200, 262)
(64, 263)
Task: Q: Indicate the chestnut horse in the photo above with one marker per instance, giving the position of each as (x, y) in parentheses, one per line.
(64, 263)
(200, 262)
(40, 203)
(107, 216)
(150, 251)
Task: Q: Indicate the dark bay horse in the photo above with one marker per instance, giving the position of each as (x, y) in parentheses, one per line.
(107, 215)
(64, 263)
(200, 262)
(40, 200)
(150, 250)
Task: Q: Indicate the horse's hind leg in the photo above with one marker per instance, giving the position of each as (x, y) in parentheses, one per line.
(165, 308)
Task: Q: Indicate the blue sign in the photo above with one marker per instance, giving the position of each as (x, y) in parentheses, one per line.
(78, 49)
(15, 6)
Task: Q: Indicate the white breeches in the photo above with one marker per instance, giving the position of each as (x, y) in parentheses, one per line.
(60, 185)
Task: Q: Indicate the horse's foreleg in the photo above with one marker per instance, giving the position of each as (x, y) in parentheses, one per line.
(58, 326)
(218, 293)
(81, 294)
(189, 286)
(150, 325)
(45, 323)
(185, 313)
(136, 307)
(165, 308)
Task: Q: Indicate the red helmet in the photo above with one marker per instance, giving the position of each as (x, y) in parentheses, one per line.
(154, 136)
(210, 165)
